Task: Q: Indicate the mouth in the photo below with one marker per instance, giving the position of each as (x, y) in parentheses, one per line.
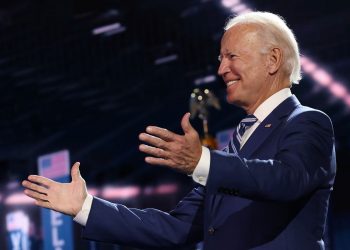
(230, 83)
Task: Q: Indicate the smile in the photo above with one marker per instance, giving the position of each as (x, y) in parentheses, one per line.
(228, 84)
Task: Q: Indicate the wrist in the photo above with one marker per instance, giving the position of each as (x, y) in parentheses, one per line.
(79, 205)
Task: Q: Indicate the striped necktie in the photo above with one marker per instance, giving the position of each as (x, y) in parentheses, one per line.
(243, 126)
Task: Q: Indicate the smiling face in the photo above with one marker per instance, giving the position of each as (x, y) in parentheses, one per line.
(245, 69)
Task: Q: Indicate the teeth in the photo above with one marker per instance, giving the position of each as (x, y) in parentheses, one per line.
(231, 83)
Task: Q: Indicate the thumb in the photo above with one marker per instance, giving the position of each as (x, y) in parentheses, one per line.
(185, 123)
(75, 173)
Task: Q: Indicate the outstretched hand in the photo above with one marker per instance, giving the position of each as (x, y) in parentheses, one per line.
(181, 152)
(67, 198)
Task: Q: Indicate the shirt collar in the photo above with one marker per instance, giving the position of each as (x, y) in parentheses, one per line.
(271, 103)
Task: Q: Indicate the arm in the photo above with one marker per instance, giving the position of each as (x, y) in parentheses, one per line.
(116, 223)
(149, 227)
(304, 162)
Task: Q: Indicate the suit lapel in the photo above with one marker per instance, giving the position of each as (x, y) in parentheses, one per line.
(268, 125)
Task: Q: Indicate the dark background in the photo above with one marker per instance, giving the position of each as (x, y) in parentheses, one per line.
(61, 87)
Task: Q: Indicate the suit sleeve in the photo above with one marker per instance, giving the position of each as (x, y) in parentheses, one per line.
(304, 162)
(115, 223)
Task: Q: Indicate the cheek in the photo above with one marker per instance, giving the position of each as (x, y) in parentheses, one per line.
(236, 67)
(253, 77)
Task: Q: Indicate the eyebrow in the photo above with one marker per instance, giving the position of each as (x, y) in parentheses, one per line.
(225, 51)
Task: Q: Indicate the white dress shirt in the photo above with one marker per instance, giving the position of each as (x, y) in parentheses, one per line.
(201, 172)
(83, 215)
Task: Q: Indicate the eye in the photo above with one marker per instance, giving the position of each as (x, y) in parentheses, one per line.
(231, 56)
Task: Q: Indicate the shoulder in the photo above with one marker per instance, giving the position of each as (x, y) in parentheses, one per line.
(304, 114)
(308, 126)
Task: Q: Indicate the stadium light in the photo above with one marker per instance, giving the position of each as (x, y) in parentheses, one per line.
(109, 29)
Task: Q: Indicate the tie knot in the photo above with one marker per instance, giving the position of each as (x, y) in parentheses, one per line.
(246, 123)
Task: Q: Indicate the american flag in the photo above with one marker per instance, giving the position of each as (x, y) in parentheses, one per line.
(54, 165)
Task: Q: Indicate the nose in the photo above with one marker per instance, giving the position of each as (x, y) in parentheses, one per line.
(223, 68)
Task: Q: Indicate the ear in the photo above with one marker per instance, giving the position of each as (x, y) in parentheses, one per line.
(275, 58)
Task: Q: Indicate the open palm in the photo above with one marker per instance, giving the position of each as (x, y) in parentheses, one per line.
(67, 198)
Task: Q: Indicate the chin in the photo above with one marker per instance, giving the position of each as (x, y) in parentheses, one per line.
(235, 101)
(231, 95)
(230, 99)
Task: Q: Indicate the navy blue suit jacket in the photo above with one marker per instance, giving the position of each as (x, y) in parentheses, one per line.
(273, 194)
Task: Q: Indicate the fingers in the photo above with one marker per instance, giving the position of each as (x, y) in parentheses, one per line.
(75, 173)
(159, 161)
(152, 140)
(161, 133)
(35, 187)
(185, 123)
(157, 152)
(41, 203)
(35, 195)
(169, 149)
(41, 180)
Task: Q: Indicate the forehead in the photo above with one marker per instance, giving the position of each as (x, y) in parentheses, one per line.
(240, 36)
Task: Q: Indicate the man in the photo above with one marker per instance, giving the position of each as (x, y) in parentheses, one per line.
(268, 189)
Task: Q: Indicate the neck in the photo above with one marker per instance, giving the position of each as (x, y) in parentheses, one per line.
(275, 86)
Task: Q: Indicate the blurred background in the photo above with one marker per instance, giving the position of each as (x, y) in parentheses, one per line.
(84, 77)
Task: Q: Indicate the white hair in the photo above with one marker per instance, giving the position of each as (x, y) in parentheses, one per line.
(276, 32)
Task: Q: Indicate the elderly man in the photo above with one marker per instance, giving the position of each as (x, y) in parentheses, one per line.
(268, 189)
